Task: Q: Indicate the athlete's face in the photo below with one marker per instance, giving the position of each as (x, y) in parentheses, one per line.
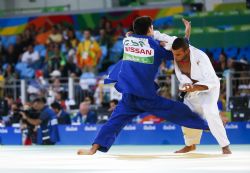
(180, 54)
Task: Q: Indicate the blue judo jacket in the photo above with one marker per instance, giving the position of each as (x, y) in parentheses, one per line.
(135, 74)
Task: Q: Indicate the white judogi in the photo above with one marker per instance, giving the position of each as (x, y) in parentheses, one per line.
(202, 102)
(166, 38)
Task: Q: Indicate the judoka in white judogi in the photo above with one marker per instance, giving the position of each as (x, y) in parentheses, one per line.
(204, 102)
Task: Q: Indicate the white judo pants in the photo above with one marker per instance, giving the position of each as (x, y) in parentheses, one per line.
(205, 103)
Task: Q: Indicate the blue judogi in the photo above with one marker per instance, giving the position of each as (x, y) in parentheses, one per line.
(134, 77)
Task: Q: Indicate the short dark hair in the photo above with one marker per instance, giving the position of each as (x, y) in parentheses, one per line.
(142, 24)
(40, 100)
(90, 98)
(56, 105)
(180, 43)
(115, 101)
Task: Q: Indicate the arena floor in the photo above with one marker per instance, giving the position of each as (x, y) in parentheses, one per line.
(123, 159)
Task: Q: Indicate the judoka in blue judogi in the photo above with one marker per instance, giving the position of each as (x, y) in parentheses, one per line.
(134, 76)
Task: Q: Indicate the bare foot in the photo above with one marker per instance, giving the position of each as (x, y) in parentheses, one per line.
(187, 149)
(91, 151)
(226, 150)
(85, 152)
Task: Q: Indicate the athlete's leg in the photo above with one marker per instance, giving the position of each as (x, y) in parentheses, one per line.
(213, 118)
(122, 114)
(110, 130)
(175, 112)
(211, 113)
(192, 137)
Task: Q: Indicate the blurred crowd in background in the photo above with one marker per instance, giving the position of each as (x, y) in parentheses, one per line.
(47, 56)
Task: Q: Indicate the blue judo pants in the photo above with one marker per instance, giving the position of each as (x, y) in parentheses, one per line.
(130, 106)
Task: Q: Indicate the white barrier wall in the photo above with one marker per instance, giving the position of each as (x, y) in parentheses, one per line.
(74, 4)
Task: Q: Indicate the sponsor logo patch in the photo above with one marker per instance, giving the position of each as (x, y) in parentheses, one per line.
(138, 50)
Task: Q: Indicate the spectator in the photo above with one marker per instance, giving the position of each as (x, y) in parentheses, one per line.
(59, 98)
(85, 115)
(56, 61)
(215, 64)
(55, 36)
(112, 105)
(71, 67)
(230, 68)
(119, 31)
(63, 30)
(32, 30)
(9, 75)
(9, 99)
(14, 116)
(11, 56)
(104, 113)
(222, 65)
(71, 38)
(88, 51)
(102, 93)
(27, 38)
(42, 36)
(4, 108)
(30, 56)
(87, 80)
(53, 89)
(57, 86)
(29, 131)
(109, 28)
(103, 22)
(104, 39)
(50, 52)
(62, 116)
(19, 47)
(47, 121)
(90, 100)
(38, 86)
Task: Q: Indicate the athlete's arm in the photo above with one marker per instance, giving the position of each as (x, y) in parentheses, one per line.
(167, 41)
(187, 28)
(192, 88)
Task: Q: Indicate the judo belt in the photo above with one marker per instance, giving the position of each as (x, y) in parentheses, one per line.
(181, 96)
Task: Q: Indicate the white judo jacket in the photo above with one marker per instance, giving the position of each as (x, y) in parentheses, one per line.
(201, 71)
(203, 102)
(201, 67)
